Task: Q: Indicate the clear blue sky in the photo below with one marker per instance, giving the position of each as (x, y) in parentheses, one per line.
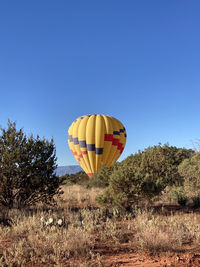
(136, 60)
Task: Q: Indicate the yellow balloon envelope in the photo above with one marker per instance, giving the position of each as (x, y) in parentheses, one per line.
(96, 139)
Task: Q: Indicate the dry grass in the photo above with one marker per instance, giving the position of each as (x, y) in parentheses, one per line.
(158, 233)
(76, 195)
(66, 237)
(32, 241)
(59, 236)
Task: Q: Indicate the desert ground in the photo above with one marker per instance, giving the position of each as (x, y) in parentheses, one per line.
(77, 232)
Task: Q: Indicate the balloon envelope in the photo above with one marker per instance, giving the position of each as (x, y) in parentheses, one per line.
(96, 139)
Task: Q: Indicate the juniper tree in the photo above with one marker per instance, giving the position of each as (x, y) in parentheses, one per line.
(144, 175)
(27, 168)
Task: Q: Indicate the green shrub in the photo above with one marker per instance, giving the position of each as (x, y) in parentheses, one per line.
(143, 176)
(182, 200)
(27, 169)
(190, 170)
(179, 194)
(127, 187)
(196, 202)
(101, 178)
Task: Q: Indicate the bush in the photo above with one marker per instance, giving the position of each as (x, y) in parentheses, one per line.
(27, 169)
(190, 170)
(123, 190)
(182, 200)
(128, 187)
(179, 194)
(162, 163)
(196, 202)
(143, 175)
(101, 178)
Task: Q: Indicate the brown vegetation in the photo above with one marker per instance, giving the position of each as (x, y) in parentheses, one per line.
(78, 233)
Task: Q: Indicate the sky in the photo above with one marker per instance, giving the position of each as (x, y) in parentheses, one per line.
(136, 60)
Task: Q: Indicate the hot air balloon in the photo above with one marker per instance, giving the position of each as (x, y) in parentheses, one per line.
(96, 139)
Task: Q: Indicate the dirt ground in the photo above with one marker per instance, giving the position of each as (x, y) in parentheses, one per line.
(134, 260)
(126, 257)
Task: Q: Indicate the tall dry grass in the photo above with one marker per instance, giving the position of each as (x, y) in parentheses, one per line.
(31, 242)
(158, 233)
(56, 236)
(76, 195)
